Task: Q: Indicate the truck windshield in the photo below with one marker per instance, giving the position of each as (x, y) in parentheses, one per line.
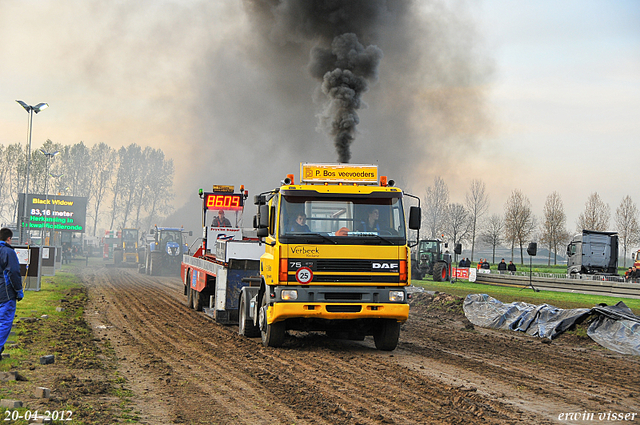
(342, 220)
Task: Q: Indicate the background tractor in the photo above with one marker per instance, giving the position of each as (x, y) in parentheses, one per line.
(163, 250)
(432, 257)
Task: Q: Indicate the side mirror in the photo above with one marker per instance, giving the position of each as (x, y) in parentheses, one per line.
(263, 217)
(190, 232)
(415, 216)
(458, 249)
(263, 232)
(151, 232)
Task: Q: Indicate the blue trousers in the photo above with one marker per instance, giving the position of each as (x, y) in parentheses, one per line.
(7, 314)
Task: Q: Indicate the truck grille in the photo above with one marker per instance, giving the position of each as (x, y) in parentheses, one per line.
(371, 278)
(344, 308)
(343, 265)
(342, 296)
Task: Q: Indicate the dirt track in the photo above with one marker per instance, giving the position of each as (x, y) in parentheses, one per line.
(184, 368)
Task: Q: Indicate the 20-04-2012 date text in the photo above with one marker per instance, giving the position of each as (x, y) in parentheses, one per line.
(56, 415)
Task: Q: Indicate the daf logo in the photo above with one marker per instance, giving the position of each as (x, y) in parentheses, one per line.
(385, 266)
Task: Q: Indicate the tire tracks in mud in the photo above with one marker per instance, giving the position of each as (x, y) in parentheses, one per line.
(185, 368)
(539, 375)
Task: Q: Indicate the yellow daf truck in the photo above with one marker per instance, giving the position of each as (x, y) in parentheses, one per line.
(336, 259)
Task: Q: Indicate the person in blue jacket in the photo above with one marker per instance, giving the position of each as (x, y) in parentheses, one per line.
(10, 287)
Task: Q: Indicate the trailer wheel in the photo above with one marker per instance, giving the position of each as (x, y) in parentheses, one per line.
(245, 324)
(118, 257)
(440, 272)
(198, 299)
(189, 297)
(272, 334)
(387, 334)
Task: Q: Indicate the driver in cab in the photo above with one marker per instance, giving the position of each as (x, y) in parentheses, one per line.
(371, 223)
(300, 225)
(220, 220)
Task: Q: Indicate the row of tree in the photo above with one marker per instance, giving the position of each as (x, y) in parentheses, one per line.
(127, 187)
(469, 223)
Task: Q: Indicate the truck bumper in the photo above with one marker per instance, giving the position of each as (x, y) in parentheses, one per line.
(336, 311)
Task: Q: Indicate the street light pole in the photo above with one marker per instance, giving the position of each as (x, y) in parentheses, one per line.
(30, 110)
(49, 156)
(57, 192)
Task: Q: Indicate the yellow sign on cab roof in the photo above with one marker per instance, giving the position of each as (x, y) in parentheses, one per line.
(338, 173)
(223, 188)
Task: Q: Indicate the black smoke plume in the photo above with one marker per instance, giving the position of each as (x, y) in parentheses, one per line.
(342, 64)
(345, 70)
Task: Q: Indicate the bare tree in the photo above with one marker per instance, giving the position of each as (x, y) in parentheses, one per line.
(553, 227)
(117, 186)
(627, 225)
(458, 224)
(492, 232)
(477, 202)
(103, 162)
(520, 223)
(159, 183)
(5, 171)
(16, 162)
(77, 169)
(435, 208)
(595, 216)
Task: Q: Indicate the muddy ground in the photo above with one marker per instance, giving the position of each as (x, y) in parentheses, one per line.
(177, 366)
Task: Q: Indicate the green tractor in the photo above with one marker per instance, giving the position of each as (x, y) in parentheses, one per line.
(432, 257)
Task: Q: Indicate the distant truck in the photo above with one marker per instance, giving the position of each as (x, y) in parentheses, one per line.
(636, 258)
(592, 252)
(121, 246)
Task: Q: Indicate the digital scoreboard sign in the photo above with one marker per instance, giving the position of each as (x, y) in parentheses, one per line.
(54, 212)
(223, 201)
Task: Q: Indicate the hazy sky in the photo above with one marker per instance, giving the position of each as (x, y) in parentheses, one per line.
(539, 96)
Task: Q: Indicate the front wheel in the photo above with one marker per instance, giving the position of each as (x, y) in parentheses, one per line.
(387, 334)
(272, 334)
(440, 272)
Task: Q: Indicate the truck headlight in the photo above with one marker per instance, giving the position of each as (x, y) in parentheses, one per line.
(289, 294)
(396, 296)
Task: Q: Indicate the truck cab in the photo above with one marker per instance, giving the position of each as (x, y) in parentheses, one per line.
(593, 252)
(336, 257)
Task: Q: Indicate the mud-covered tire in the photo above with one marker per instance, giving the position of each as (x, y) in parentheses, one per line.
(440, 272)
(245, 323)
(387, 334)
(272, 334)
(198, 299)
(189, 297)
